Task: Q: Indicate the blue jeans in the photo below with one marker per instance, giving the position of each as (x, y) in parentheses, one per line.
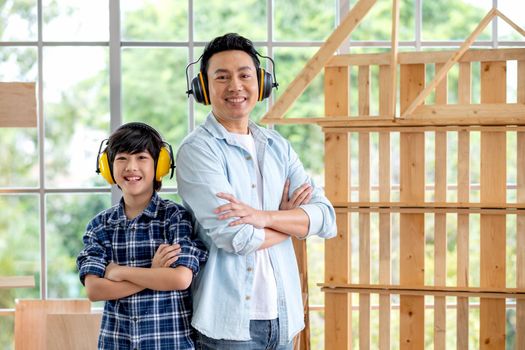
(264, 334)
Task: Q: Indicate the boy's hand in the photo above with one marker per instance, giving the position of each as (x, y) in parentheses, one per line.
(166, 255)
(301, 195)
(112, 272)
(244, 213)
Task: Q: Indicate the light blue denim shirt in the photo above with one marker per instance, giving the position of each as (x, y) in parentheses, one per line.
(210, 161)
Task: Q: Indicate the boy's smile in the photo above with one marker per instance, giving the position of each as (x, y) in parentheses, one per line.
(134, 174)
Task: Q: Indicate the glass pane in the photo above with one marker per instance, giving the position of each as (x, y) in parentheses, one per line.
(312, 20)
(7, 337)
(76, 97)
(19, 20)
(19, 161)
(66, 220)
(377, 23)
(75, 20)
(454, 20)
(19, 245)
(154, 20)
(154, 85)
(288, 64)
(215, 18)
(515, 10)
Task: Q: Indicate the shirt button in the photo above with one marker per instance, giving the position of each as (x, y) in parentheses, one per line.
(248, 297)
(249, 269)
(132, 259)
(253, 185)
(248, 158)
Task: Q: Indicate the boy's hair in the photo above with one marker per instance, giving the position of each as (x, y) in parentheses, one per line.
(230, 41)
(134, 138)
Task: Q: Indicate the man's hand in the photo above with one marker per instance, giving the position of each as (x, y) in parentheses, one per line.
(245, 213)
(301, 195)
(112, 272)
(166, 255)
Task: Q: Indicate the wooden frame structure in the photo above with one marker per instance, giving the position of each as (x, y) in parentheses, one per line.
(420, 124)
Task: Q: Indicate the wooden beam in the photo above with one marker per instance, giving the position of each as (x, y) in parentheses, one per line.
(425, 57)
(496, 293)
(411, 226)
(317, 62)
(385, 261)
(493, 181)
(450, 114)
(451, 61)
(463, 192)
(393, 57)
(338, 250)
(510, 22)
(17, 282)
(17, 105)
(520, 224)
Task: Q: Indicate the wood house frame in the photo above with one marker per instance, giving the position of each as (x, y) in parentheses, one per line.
(418, 123)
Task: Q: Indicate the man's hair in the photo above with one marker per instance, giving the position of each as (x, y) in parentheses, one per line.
(134, 138)
(230, 41)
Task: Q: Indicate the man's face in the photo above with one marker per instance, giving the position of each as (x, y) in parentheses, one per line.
(232, 82)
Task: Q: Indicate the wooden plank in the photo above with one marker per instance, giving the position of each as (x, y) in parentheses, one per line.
(412, 228)
(462, 251)
(515, 208)
(450, 62)
(317, 62)
(487, 292)
(394, 52)
(17, 105)
(73, 331)
(440, 222)
(475, 114)
(384, 219)
(364, 218)
(493, 228)
(520, 229)
(426, 57)
(338, 308)
(31, 320)
(510, 22)
(505, 128)
(337, 82)
(17, 282)
(299, 245)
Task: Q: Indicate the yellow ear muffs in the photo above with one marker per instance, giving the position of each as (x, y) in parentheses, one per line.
(164, 164)
(104, 169)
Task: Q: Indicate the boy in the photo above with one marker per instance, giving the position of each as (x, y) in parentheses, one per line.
(139, 255)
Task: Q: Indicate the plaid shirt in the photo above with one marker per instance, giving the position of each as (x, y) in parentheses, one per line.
(149, 319)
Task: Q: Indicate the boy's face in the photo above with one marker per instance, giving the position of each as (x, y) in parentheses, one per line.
(134, 174)
(232, 82)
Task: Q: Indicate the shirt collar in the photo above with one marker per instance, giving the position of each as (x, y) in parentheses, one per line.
(119, 215)
(218, 131)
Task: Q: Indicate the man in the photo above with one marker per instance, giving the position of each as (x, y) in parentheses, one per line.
(230, 175)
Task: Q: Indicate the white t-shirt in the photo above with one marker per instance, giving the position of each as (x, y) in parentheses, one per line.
(264, 293)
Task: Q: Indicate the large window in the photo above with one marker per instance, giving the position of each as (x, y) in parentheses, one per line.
(101, 63)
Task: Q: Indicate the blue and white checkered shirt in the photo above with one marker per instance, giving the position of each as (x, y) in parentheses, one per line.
(149, 319)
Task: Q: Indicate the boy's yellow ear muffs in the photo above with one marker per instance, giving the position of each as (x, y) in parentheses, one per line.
(104, 169)
(165, 163)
